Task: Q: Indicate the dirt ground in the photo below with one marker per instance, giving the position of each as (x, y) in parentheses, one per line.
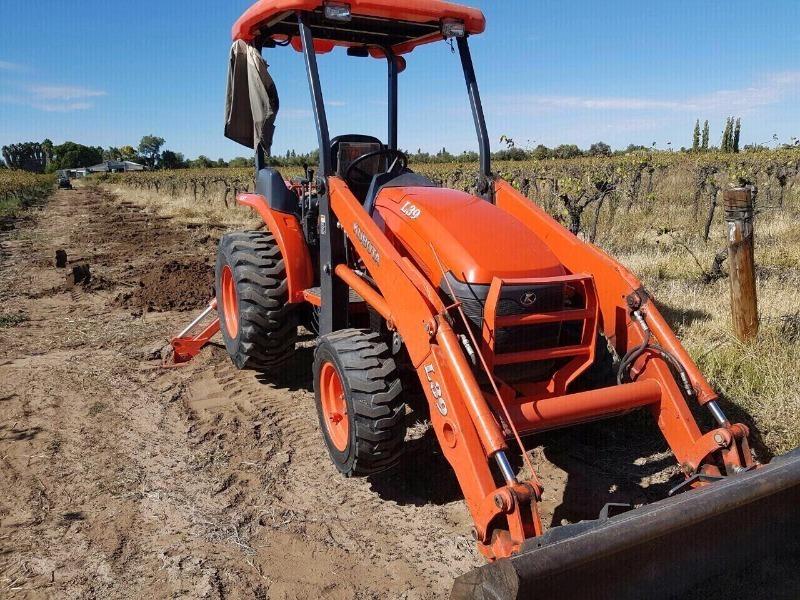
(121, 479)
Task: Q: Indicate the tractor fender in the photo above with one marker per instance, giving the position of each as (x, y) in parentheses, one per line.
(289, 235)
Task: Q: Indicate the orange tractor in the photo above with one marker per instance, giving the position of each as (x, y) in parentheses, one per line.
(489, 308)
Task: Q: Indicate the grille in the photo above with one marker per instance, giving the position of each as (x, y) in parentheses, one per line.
(543, 298)
(537, 337)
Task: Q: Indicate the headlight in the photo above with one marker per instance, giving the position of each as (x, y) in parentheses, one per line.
(451, 29)
(337, 11)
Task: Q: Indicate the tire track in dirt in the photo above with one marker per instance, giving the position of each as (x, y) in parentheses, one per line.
(418, 549)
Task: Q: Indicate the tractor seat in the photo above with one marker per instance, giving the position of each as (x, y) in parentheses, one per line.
(270, 184)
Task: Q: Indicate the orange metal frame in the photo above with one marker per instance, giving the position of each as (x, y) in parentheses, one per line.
(415, 11)
(464, 417)
(582, 354)
(462, 414)
(186, 346)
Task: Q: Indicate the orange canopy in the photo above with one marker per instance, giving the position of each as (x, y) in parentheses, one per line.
(400, 25)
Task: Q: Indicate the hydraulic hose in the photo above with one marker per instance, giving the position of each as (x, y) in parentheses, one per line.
(633, 355)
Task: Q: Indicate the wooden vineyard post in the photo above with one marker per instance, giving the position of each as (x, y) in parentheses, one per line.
(739, 221)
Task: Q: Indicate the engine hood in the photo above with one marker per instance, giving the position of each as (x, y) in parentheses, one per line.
(473, 238)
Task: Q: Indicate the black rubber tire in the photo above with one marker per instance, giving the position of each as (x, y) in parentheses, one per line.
(267, 330)
(374, 399)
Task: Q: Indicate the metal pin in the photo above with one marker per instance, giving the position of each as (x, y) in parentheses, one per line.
(505, 467)
(716, 411)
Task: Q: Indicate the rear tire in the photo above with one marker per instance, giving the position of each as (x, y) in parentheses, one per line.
(359, 401)
(258, 324)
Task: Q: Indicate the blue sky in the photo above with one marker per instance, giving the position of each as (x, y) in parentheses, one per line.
(107, 73)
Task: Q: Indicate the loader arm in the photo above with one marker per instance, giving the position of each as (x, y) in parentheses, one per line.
(467, 430)
(621, 295)
(467, 419)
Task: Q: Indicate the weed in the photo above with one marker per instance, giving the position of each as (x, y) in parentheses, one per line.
(8, 320)
(96, 408)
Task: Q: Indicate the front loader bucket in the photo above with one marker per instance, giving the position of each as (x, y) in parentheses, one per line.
(661, 550)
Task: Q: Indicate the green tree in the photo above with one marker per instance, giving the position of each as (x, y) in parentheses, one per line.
(726, 135)
(636, 148)
(241, 162)
(567, 151)
(172, 160)
(70, 155)
(112, 153)
(468, 156)
(696, 137)
(48, 147)
(737, 131)
(443, 156)
(541, 152)
(202, 162)
(706, 134)
(129, 153)
(600, 149)
(150, 148)
(511, 153)
(27, 156)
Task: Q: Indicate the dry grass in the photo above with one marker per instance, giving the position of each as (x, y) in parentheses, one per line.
(662, 242)
(185, 209)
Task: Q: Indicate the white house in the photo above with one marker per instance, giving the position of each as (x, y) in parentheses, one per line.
(116, 166)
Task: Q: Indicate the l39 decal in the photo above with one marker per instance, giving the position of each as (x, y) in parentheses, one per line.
(410, 210)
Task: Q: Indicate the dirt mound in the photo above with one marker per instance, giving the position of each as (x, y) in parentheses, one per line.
(172, 285)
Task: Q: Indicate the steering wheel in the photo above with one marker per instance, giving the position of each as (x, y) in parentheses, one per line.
(355, 174)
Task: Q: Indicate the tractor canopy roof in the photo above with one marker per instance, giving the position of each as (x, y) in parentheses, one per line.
(401, 26)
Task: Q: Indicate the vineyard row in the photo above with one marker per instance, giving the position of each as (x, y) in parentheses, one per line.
(569, 189)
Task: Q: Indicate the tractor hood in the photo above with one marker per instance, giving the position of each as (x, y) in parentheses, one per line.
(473, 238)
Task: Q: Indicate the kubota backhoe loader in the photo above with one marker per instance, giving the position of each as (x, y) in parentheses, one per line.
(498, 310)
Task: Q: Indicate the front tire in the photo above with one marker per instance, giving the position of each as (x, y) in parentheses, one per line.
(359, 401)
(258, 324)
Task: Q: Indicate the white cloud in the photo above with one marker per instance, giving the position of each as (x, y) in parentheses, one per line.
(772, 89)
(10, 66)
(295, 113)
(52, 98)
(63, 92)
(65, 107)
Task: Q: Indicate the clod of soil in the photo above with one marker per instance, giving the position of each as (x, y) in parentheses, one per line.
(61, 259)
(79, 274)
(172, 285)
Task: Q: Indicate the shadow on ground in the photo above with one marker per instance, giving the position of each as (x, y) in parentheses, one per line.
(679, 317)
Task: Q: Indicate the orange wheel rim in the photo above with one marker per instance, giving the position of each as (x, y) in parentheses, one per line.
(230, 301)
(334, 406)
